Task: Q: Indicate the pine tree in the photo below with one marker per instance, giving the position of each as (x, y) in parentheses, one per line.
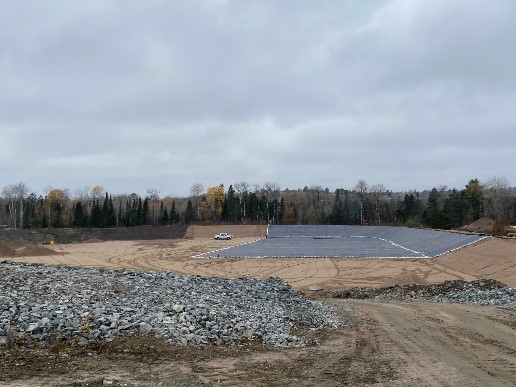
(145, 212)
(174, 214)
(111, 218)
(190, 213)
(434, 214)
(44, 221)
(104, 213)
(164, 218)
(139, 213)
(78, 215)
(96, 214)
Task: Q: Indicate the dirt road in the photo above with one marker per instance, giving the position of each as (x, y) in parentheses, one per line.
(385, 344)
(443, 344)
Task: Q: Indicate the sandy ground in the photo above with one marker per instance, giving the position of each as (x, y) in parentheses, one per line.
(491, 258)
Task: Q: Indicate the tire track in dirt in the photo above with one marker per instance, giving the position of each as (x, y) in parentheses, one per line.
(444, 344)
(488, 259)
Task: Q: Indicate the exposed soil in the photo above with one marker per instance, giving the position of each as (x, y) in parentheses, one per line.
(391, 343)
(24, 249)
(387, 344)
(491, 258)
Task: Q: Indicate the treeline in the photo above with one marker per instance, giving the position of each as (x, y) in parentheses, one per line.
(242, 203)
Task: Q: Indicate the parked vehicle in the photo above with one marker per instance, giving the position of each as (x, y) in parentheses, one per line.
(223, 235)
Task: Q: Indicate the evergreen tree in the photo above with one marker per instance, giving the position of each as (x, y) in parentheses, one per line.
(139, 213)
(253, 207)
(190, 213)
(433, 215)
(174, 214)
(120, 218)
(165, 218)
(96, 214)
(281, 211)
(104, 213)
(79, 216)
(474, 195)
(145, 212)
(455, 208)
(410, 209)
(231, 206)
(111, 218)
(44, 221)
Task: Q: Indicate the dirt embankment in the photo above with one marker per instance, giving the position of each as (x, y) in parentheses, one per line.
(72, 235)
(493, 258)
(24, 249)
(238, 231)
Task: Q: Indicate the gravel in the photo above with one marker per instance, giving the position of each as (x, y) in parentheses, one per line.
(48, 303)
(479, 292)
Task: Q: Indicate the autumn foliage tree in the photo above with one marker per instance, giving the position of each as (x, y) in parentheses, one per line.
(244, 203)
(215, 201)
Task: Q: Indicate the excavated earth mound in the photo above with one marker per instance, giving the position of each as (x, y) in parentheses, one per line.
(24, 249)
(6, 250)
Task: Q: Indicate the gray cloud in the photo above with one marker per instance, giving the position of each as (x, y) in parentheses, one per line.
(130, 95)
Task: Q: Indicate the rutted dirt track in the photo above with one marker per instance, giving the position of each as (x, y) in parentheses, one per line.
(383, 343)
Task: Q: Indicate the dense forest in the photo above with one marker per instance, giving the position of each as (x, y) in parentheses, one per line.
(242, 203)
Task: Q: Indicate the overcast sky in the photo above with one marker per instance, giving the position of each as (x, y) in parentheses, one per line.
(138, 94)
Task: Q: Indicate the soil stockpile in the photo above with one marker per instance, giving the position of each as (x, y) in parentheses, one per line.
(480, 292)
(6, 250)
(24, 249)
(48, 302)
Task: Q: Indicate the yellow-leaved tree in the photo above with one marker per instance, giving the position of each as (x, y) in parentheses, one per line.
(215, 200)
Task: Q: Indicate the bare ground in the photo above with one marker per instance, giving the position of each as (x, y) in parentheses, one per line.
(491, 258)
(383, 343)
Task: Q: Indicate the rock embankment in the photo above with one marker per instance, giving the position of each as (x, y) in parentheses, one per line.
(50, 302)
(479, 292)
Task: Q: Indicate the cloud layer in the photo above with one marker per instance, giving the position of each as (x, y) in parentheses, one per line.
(131, 95)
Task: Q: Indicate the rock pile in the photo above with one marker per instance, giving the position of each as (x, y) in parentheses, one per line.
(51, 302)
(480, 292)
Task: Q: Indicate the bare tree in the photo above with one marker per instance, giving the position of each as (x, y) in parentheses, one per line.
(497, 193)
(81, 193)
(242, 189)
(96, 192)
(153, 195)
(271, 189)
(9, 196)
(377, 190)
(196, 191)
(16, 193)
(361, 187)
